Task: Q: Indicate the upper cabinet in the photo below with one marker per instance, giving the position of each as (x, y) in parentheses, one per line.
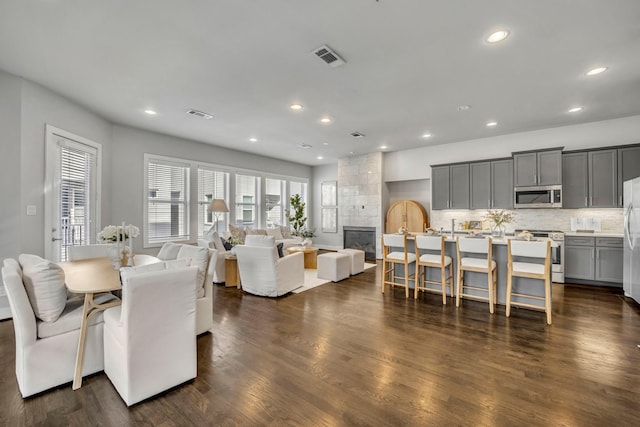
(575, 180)
(450, 186)
(603, 179)
(491, 184)
(628, 167)
(537, 168)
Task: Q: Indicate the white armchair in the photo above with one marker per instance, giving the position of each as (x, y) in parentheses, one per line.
(46, 351)
(219, 272)
(149, 341)
(263, 273)
(204, 296)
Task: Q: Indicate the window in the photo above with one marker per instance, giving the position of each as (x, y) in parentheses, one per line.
(274, 193)
(246, 200)
(167, 207)
(296, 187)
(212, 184)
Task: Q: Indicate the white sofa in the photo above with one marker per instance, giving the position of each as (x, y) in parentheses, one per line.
(204, 297)
(149, 341)
(46, 351)
(263, 273)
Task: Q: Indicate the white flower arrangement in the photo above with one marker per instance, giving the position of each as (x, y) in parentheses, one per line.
(118, 233)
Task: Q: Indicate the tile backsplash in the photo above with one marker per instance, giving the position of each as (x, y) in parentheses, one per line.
(538, 219)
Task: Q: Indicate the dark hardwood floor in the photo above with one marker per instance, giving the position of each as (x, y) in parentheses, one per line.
(344, 354)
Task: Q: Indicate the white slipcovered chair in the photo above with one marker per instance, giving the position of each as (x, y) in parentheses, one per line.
(76, 253)
(149, 341)
(46, 351)
(263, 273)
(204, 295)
(213, 241)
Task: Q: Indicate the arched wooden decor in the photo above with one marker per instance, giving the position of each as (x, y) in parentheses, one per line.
(408, 214)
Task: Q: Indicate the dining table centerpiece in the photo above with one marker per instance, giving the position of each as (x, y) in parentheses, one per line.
(120, 252)
(498, 220)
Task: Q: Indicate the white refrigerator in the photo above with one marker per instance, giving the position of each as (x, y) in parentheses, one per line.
(631, 278)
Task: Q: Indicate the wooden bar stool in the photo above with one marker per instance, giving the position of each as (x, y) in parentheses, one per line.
(433, 260)
(486, 265)
(540, 270)
(394, 257)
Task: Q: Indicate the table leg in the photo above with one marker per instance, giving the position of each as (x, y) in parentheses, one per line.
(77, 377)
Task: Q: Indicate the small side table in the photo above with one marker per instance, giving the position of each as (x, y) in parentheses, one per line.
(310, 255)
(232, 274)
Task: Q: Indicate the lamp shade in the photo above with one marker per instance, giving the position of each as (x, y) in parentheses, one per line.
(218, 205)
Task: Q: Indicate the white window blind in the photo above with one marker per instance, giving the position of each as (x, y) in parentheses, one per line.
(275, 191)
(212, 184)
(246, 200)
(77, 166)
(167, 201)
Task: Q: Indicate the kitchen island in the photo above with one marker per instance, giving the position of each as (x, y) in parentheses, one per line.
(500, 255)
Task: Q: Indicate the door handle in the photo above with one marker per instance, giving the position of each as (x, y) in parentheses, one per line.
(55, 239)
(627, 222)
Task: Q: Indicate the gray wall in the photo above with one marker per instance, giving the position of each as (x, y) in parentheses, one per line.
(11, 206)
(129, 147)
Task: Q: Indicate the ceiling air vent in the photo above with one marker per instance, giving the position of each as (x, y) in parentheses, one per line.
(357, 134)
(329, 56)
(200, 114)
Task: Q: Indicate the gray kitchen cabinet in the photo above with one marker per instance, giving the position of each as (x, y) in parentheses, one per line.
(502, 184)
(537, 168)
(603, 178)
(440, 187)
(579, 254)
(575, 180)
(480, 185)
(594, 259)
(628, 167)
(609, 259)
(459, 179)
(450, 186)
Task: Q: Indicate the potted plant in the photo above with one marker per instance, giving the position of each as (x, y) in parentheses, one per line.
(498, 220)
(298, 220)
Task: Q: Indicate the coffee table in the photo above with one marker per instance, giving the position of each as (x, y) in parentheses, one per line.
(310, 255)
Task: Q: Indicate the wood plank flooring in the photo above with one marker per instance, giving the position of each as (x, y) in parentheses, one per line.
(344, 354)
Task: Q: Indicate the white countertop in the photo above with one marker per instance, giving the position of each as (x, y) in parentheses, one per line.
(575, 233)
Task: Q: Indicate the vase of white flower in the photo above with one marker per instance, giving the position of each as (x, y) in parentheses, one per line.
(499, 219)
(117, 235)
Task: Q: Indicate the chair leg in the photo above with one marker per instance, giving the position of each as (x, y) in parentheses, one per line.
(418, 275)
(451, 280)
(406, 280)
(443, 275)
(509, 286)
(384, 273)
(547, 299)
(491, 290)
(459, 286)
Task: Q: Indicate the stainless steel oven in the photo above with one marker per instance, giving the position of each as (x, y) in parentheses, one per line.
(557, 253)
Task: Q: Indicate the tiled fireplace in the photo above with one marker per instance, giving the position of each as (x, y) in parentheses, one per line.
(363, 238)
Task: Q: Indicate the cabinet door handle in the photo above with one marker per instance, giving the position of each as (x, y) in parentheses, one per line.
(620, 201)
(489, 203)
(586, 202)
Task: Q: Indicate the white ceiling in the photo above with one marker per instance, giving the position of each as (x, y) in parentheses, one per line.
(410, 64)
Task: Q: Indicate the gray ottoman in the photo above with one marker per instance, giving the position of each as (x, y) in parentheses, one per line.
(334, 266)
(357, 259)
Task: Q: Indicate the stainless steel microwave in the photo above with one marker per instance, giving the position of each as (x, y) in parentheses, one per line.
(549, 196)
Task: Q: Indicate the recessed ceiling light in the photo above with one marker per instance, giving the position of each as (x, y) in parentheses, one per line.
(575, 109)
(253, 139)
(369, 171)
(463, 107)
(150, 112)
(319, 157)
(325, 120)
(325, 143)
(383, 147)
(498, 36)
(596, 71)
(351, 152)
(296, 107)
(492, 124)
(426, 135)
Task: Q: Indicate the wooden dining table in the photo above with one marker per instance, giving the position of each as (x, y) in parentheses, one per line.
(89, 277)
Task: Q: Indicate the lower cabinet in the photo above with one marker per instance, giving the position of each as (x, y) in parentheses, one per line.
(596, 259)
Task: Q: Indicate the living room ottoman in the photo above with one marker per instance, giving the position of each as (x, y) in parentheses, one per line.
(334, 266)
(357, 259)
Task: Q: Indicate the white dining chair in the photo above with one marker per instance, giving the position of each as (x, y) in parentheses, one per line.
(485, 264)
(430, 253)
(392, 257)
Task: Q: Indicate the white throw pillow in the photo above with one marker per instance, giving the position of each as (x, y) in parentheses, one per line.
(169, 251)
(275, 232)
(217, 242)
(286, 232)
(199, 257)
(256, 231)
(29, 259)
(177, 263)
(44, 283)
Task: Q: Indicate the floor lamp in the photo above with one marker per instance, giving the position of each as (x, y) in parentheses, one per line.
(217, 207)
